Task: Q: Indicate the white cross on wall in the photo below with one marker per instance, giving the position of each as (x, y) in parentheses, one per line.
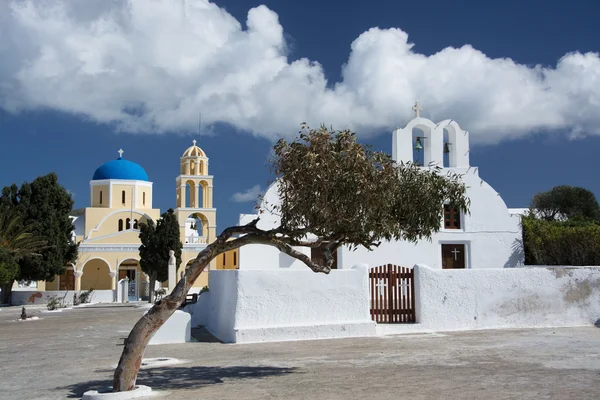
(417, 109)
(381, 285)
(120, 152)
(455, 252)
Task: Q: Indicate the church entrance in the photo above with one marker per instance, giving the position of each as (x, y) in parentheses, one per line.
(453, 256)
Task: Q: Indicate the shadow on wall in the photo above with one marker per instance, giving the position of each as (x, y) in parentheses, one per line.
(285, 261)
(517, 256)
(171, 378)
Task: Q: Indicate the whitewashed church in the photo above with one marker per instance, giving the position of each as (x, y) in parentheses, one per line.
(489, 236)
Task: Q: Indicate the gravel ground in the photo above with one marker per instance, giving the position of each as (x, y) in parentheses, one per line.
(63, 354)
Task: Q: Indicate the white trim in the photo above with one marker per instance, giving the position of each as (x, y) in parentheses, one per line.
(95, 258)
(466, 243)
(109, 248)
(197, 209)
(119, 210)
(129, 258)
(184, 176)
(120, 182)
(113, 234)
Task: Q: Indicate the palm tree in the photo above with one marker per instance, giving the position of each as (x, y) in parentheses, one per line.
(16, 241)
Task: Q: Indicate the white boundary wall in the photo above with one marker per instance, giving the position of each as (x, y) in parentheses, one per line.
(21, 297)
(507, 298)
(248, 306)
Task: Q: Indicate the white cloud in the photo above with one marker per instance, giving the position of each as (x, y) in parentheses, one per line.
(249, 195)
(152, 65)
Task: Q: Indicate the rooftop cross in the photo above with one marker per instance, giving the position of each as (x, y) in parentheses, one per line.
(120, 153)
(417, 109)
(194, 141)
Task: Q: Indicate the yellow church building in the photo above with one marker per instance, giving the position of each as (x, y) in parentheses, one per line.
(108, 231)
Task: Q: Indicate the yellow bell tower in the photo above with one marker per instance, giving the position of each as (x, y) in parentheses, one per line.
(195, 212)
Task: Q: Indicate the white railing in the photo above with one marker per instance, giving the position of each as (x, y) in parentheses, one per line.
(195, 239)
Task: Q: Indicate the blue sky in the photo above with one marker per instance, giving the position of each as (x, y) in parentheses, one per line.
(75, 88)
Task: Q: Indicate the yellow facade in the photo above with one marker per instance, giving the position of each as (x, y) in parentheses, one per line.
(108, 230)
(228, 260)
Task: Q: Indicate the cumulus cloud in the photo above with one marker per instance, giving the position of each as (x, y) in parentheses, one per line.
(249, 195)
(152, 65)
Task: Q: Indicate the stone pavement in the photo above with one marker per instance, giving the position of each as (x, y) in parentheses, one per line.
(63, 354)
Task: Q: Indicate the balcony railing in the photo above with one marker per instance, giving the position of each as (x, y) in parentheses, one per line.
(195, 239)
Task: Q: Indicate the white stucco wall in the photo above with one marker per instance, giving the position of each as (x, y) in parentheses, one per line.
(21, 297)
(177, 329)
(287, 304)
(261, 257)
(223, 299)
(507, 298)
(200, 310)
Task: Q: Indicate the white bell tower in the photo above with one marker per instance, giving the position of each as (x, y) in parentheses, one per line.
(432, 141)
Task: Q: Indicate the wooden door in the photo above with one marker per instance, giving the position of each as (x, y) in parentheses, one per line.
(453, 256)
(67, 280)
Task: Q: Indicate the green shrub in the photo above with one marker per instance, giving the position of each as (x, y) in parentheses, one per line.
(572, 242)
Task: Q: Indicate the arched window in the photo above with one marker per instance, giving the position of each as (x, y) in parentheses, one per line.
(135, 224)
(120, 225)
(123, 197)
(144, 198)
(101, 197)
(127, 223)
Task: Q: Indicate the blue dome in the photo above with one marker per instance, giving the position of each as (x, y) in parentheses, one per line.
(120, 169)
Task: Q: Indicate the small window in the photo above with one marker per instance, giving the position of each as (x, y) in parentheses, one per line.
(318, 255)
(224, 259)
(101, 197)
(123, 197)
(144, 198)
(451, 217)
(234, 258)
(135, 224)
(120, 225)
(127, 223)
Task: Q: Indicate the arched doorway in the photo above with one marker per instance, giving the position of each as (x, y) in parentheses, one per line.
(137, 285)
(96, 275)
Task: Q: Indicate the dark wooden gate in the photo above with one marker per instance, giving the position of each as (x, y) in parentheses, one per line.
(392, 294)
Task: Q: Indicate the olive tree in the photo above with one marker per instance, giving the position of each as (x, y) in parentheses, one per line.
(333, 192)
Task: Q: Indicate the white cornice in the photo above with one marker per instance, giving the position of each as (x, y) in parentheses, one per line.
(120, 181)
(108, 248)
(182, 176)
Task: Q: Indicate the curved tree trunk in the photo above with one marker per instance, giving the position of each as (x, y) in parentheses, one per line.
(135, 345)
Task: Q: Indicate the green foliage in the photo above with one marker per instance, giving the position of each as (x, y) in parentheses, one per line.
(157, 240)
(43, 206)
(560, 243)
(562, 228)
(9, 267)
(343, 191)
(568, 202)
(55, 302)
(16, 242)
(83, 297)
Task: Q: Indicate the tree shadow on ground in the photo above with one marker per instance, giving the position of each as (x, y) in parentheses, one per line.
(173, 378)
